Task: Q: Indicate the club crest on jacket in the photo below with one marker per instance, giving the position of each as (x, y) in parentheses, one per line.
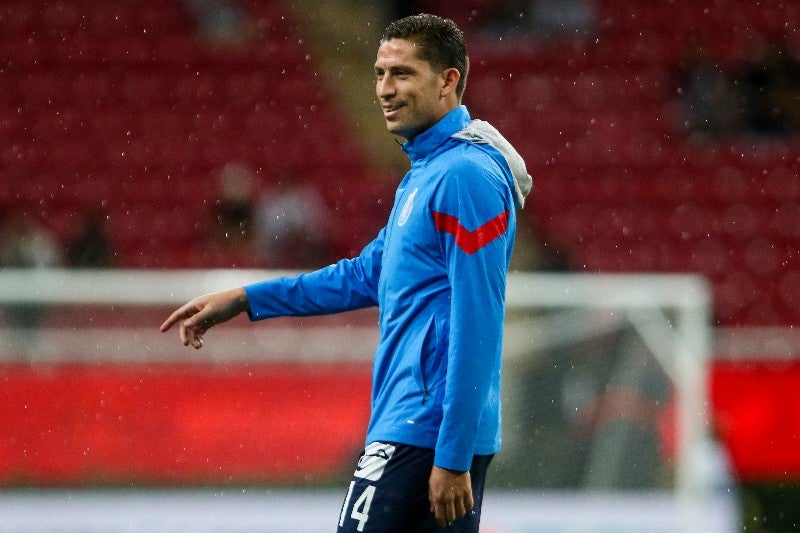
(407, 207)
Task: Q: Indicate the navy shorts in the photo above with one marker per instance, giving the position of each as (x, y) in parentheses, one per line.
(389, 492)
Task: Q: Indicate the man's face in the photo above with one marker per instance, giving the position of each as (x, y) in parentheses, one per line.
(409, 91)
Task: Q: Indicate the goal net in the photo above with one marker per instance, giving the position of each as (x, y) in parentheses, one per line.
(605, 417)
(605, 400)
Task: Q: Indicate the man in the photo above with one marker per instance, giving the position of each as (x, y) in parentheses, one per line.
(437, 272)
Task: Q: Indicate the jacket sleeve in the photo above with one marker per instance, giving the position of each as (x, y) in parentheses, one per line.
(471, 213)
(343, 286)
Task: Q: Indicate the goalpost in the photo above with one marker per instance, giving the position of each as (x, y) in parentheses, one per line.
(669, 318)
(605, 376)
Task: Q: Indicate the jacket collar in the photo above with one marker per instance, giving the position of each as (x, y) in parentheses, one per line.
(426, 142)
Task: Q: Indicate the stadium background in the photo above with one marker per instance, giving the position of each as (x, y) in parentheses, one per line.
(121, 107)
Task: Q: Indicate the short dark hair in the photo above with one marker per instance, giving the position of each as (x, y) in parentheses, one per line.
(441, 43)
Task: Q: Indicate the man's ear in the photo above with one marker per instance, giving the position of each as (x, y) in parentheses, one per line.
(450, 79)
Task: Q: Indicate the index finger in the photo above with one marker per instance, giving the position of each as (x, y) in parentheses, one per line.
(179, 314)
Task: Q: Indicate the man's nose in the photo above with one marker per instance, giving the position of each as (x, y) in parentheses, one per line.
(384, 87)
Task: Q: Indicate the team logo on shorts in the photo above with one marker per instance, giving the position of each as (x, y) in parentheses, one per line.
(406, 211)
(373, 461)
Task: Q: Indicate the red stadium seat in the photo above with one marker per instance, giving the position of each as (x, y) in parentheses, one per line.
(110, 18)
(93, 90)
(145, 89)
(743, 221)
(196, 88)
(113, 124)
(74, 154)
(60, 17)
(712, 257)
(43, 88)
(246, 89)
(17, 18)
(788, 291)
(785, 221)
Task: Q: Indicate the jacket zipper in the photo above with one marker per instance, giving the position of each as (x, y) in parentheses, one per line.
(425, 392)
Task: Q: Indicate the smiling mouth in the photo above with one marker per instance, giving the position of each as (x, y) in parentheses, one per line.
(390, 111)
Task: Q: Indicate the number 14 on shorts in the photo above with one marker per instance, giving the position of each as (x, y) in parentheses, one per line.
(370, 468)
(360, 512)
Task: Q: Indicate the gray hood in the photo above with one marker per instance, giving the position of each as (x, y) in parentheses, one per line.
(481, 132)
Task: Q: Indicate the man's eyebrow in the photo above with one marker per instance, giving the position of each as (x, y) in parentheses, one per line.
(395, 69)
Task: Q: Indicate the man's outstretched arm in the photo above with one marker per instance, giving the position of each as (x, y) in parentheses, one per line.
(199, 314)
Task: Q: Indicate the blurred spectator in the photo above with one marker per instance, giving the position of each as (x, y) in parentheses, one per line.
(229, 237)
(397, 9)
(290, 225)
(234, 215)
(90, 248)
(762, 97)
(534, 253)
(770, 93)
(505, 19)
(551, 18)
(706, 95)
(541, 19)
(25, 243)
(221, 21)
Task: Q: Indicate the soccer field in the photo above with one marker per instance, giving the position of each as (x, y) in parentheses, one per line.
(299, 510)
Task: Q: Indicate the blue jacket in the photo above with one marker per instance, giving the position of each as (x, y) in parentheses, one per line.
(437, 272)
